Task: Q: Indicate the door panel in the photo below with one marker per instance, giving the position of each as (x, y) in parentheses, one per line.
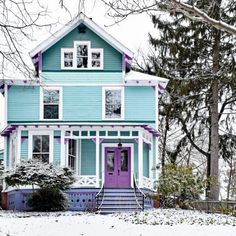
(117, 167)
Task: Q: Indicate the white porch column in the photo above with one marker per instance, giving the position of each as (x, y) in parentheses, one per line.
(63, 157)
(97, 158)
(18, 146)
(150, 156)
(140, 159)
(156, 124)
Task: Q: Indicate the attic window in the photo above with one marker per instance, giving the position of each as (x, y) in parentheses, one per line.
(82, 57)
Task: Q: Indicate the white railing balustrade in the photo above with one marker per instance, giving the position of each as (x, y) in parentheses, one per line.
(85, 181)
(148, 183)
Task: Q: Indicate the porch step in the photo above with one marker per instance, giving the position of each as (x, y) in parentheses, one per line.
(118, 200)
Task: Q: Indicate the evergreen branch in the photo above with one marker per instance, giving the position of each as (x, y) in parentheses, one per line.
(190, 138)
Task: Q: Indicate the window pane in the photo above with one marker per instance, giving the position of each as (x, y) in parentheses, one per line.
(96, 63)
(72, 147)
(110, 160)
(51, 96)
(37, 156)
(51, 111)
(68, 59)
(124, 160)
(36, 143)
(71, 161)
(82, 56)
(113, 103)
(45, 158)
(45, 143)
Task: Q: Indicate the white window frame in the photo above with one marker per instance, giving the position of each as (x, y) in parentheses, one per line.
(42, 103)
(39, 133)
(90, 50)
(63, 50)
(104, 103)
(101, 58)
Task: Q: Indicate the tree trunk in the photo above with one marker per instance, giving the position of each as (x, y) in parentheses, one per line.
(214, 159)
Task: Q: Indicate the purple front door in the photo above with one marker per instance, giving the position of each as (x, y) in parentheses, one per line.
(117, 167)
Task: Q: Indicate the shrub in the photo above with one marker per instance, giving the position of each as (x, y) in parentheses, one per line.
(47, 199)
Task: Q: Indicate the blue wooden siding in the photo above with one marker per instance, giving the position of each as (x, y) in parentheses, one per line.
(52, 56)
(82, 103)
(51, 78)
(23, 103)
(145, 160)
(139, 103)
(56, 152)
(88, 157)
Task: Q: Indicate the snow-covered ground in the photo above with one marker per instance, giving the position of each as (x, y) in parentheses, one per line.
(147, 223)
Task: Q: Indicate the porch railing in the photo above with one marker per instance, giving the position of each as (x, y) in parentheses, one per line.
(148, 183)
(100, 197)
(139, 195)
(85, 181)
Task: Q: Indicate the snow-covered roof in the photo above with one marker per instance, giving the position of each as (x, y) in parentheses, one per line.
(138, 78)
(81, 19)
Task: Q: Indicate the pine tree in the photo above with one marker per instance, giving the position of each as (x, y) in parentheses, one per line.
(200, 62)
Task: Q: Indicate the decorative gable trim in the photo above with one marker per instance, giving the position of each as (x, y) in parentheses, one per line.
(81, 19)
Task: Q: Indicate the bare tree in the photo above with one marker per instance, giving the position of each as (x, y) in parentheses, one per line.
(18, 21)
(121, 9)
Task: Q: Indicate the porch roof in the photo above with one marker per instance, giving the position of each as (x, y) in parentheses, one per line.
(10, 128)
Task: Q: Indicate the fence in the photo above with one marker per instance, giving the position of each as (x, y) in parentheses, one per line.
(214, 206)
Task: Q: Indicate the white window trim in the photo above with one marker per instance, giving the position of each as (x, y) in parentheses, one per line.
(30, 145)
(42, 104)
(101, 58)
(63, 50)
(122, 103)
(90, 50)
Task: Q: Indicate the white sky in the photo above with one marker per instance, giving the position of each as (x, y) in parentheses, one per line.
(133, 32)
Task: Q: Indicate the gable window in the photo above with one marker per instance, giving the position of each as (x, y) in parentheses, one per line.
(96, 58)
(82, 57)
(40, 148)
(113, 103)
(68, 58)
(51, 100)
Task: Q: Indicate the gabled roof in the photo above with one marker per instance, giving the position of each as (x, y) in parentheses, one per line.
(81, 19)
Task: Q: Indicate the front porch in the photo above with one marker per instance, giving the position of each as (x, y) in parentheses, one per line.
(110, 155)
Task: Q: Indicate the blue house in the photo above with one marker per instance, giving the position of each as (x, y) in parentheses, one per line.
(88, 110)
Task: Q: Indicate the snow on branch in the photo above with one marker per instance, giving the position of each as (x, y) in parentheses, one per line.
(195, 13)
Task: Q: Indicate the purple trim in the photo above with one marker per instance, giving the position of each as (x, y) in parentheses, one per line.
(154, 88)
(94, 140)
(66, 140)
(23, 140)
(101, 140)
(58, 140)
(2, 86)
(123, 62)
(136, 140)
(161, 87)
(149, 146)
(40, 60)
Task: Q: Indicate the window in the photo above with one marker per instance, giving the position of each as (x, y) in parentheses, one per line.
(113, 103)
(13, 150)
(72, 154)
(82, 56)
(40, 147)
(51, 108)
(96, 58)
(68, 58)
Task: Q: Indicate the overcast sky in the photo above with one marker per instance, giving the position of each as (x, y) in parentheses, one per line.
(133, 32)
